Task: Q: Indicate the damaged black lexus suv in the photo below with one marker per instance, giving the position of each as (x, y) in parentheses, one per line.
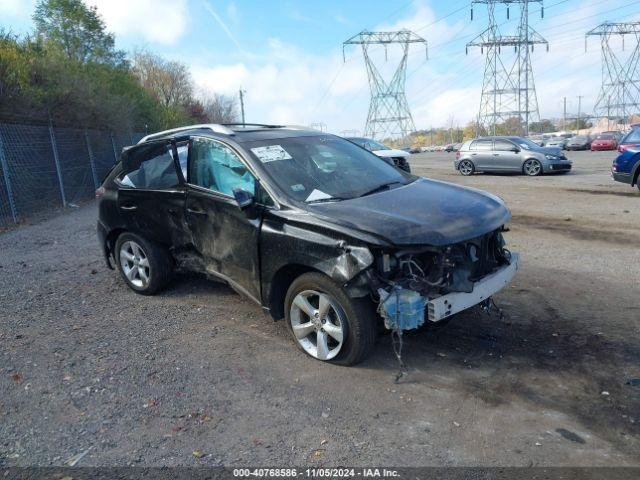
(315, 229)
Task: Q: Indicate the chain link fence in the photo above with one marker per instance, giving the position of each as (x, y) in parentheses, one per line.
(47, 167)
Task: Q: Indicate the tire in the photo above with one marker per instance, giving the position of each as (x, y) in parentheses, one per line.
(354, 318)
(532, 167)
(468, 168)
(145, 256)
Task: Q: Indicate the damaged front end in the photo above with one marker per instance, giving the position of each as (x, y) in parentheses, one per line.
(414, 284)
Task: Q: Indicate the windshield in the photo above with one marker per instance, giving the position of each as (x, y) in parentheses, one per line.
(604, 137)
(377, 145)
(323, 168)
(527, 144)
(633, 136)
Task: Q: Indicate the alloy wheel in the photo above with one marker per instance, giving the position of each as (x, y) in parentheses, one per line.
(466, 167)
(318, 324)
(135, 264)
(532, 167)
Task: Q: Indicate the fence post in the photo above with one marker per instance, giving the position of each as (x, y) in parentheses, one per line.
(113, 144)
(54, 147)
(94, 174)
(7, 181)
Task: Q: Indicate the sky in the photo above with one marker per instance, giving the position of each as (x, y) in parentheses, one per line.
(287, 55)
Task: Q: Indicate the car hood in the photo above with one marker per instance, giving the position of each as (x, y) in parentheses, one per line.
(549, 150)
(424, 212)
(392, 152)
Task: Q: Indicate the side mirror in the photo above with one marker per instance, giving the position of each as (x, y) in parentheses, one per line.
(515, 150)
(243, 198)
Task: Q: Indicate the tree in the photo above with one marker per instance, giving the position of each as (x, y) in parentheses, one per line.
(78, 29)
(221, 108)
(169, 81)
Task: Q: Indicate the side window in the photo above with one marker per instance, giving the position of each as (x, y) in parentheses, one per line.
(482, 145)
(150, 167)
(216, 167)
(503, 146)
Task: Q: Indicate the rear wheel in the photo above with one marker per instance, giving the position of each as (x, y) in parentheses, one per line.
(144, 265)
(326, 323)
(532, 167)
(466, 167)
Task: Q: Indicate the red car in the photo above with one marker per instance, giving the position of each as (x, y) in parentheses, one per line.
(604, 142)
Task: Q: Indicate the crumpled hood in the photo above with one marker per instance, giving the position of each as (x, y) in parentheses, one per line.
(425, 212)
(392, 152)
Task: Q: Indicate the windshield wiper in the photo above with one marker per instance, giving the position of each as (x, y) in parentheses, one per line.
(329, 199)
(380, 188)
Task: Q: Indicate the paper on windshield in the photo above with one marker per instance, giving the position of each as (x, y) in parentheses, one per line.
(317, 195)
(271, 153)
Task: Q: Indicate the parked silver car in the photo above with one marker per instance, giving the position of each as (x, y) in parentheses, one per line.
(509, 154)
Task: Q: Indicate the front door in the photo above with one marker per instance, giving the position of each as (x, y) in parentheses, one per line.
(506, 155)
(151, 197)
(225, 237)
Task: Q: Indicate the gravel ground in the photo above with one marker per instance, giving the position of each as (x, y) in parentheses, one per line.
(88, 365)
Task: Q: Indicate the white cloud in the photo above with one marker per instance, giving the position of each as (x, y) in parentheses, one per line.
(156, 21)
(19, 9)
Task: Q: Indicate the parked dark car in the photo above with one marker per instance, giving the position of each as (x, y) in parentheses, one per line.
(509, 154)
(579, 142)
(310, 226)
(604, 142)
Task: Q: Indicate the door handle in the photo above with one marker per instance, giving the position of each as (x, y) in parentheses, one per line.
(128, 207)
(496, 154)
(197, 211)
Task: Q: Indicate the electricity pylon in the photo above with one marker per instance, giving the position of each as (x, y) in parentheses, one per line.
(619, 96)
(389, 114)
(508, 89)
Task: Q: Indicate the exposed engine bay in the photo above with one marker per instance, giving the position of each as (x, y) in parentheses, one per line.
(407, 280)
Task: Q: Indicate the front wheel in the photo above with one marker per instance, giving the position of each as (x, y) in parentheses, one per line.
(532, 167)
(326, 323)
(466, 167)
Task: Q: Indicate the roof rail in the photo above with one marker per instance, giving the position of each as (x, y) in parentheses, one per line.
(214, 127)
(262, 125)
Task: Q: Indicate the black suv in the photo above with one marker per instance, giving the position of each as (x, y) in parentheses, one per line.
(310, 226)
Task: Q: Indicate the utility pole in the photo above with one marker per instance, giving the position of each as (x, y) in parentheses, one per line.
(578, 120)
(564, 114)
(242, 92)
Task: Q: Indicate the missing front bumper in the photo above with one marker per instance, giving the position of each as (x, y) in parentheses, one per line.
(451, 303)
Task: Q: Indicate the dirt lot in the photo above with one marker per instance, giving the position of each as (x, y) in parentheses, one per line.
(86, 364)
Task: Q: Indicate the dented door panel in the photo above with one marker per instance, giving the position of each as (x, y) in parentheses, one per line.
(225, 238)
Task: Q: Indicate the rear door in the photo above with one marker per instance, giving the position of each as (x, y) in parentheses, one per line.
(151, 197)
(504, 155)
(225, 237)
(481, 153)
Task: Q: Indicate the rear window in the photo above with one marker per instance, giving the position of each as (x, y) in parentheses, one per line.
(632, 137)
(150, 167)
(482, 145)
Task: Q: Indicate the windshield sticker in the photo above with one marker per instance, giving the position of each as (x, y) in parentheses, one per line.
(271, 153)
(297, 187)
(317, 195)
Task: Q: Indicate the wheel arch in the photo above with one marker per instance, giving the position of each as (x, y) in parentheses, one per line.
(280, 284)
(110, 245)
(635, 172)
